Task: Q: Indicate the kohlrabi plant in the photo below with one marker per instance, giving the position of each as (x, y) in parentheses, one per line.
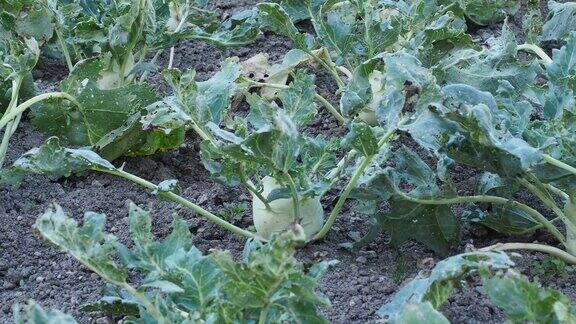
(104, 102)
(179, 283)
(520, 300)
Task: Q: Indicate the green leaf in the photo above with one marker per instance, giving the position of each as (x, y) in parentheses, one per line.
(54, 161)
(177, 280)
(33, 313)
(485, 68)
(446, 273)
(524, 301)
(486, 12)
(562, 70)
(35, 23)
(100, 111)
(298, 99)
(419, 313)
(87, 243)
(560, 21)
(240, 29)
(281, 285)
(274, 18)
(435, 226)
(361, 137)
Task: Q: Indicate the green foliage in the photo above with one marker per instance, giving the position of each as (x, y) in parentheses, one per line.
(551, 268)
(419, 313)
(560, 21)
(233, 212)
(437, 287)
(179, 282)
(523, 301)
(32, 313)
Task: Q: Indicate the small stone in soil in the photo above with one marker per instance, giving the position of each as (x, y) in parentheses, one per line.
(361, 259)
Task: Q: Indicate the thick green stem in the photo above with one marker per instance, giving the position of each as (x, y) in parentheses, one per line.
(568, 258)
(258, 195)
(549, 203)
(349, 187)
(142, 299)
(13, 113)
(11, 123)
(330, 108)
(253, 190)
(343, 196)
(294, 194)
(333, 72)
(493, 200)
(536, 50)
(263, 314)
(570, 211)
(559, 164)
(186, 203)
(64, 49)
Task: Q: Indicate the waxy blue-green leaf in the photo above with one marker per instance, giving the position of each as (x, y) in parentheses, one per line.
(562, 70)
(178, 280)
(419, 313)
(486, 12)
(240, 29)
(525, 301)
(35, 22)
(88, 244)
(483, 69)
(362, 138)
(54, 161)
(435, 226)
(560, 21)
(100, 110)
(32, 313)
(442, 279)
(298, 99)
(269, 265)
(275, 19)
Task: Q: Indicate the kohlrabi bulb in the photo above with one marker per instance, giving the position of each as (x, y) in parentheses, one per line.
(281, 217)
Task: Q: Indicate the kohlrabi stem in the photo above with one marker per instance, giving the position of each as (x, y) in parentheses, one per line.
(549, 203)
(294, 194)
(570, 212)
(559, 164)
(258, 195)
(263, 314)
(330, 108)
(557, 191)
(12, 123)
(252, 189)
(186, 203)
(566, 257)
(494, 200)
(13, 113)
(177, 29)
(333, 72)
(64, 49)
(350, 186)
(536, 50)
(142, 299)
(538, 226)
(318, 97)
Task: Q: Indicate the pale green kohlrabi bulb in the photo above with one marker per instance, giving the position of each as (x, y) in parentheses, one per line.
(281, 217)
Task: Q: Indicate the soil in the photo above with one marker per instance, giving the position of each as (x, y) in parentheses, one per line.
(357, 286)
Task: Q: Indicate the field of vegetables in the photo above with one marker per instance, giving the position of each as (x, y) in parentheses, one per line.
(298, 161)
